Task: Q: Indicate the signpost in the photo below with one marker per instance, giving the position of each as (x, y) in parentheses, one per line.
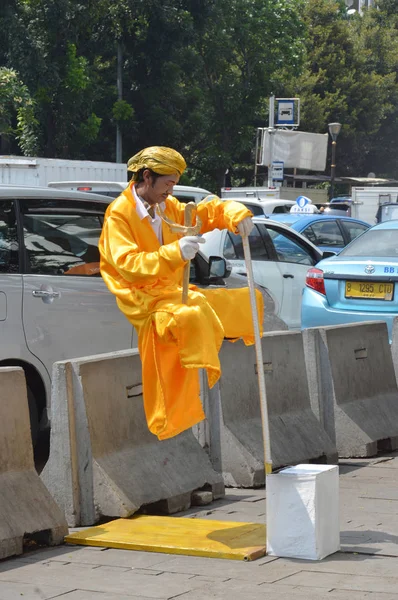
(288, 115)
(277, 170)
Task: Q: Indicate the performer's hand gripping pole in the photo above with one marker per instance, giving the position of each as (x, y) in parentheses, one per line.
(259, 357)
(186, 229)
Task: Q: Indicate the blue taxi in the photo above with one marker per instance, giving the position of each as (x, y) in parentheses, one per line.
(328, 232)
(358, 284)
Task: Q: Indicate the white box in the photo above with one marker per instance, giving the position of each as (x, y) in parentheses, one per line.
(303, 512)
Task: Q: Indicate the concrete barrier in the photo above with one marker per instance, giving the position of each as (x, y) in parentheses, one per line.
(353, 386)
(236, 441)
(103, 459)
(26, 507)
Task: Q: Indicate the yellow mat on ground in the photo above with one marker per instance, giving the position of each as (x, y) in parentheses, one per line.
(174, 535)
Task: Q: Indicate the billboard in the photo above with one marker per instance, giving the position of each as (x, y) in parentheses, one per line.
(296, 149)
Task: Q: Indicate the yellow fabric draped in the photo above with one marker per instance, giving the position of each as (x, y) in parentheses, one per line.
(160, 159)
(174, 339)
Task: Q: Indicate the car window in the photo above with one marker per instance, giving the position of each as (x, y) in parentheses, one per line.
(375, 243)
(289, 249)
(285, 208)
(233, 247)
(61, 237)
(9, 261)
(183, 198)
(353, 229)
(255, 209)
(324, 233)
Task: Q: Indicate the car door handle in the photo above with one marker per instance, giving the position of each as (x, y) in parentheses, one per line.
(44, 294)
(242, 273)
(288, 276)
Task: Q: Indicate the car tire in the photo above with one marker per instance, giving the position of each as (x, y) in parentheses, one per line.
(34, 416)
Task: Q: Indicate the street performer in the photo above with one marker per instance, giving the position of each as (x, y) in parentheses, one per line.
(142, 264)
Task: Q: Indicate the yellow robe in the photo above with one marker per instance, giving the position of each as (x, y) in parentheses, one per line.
(174, 340)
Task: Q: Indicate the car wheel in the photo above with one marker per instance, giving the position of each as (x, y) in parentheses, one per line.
(34, 416)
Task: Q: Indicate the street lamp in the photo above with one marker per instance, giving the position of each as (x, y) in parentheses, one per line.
(334, 130)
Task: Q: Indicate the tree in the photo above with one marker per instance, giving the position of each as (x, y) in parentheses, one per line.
(196, 74)
(350, 77)
(43, 42)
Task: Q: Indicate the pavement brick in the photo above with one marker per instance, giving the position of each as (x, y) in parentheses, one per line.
(213, 567)
(27, 591)
(163, 586)
(87, 595)
(365, 569)
(340, 581)
(278, 594)
(351, 564)
(98, 556)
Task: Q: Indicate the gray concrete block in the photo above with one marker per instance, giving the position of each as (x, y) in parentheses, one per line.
(353, 386)
(296, 434)
(26, 507)
(103, 459)
(201, 498)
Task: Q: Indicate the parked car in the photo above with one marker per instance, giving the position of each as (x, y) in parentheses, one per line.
(359, 284)
(387, 212)
(184, 193)
(281, 257)
(264, 207)
(54, 304)
(340, 205)
(329, 233)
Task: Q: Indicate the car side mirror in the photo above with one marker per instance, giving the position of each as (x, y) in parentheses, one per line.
(218, 267)
(328, 254)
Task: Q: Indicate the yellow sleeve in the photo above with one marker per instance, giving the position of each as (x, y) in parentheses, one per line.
(215, 214)
(119, 249)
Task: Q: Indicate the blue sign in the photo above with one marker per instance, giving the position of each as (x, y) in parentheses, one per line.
(285, 112)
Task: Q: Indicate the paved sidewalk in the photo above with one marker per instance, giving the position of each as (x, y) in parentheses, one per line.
(366, 566)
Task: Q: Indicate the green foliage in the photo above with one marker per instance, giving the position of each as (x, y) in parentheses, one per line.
(122, 111)
(17, 116)
(76, 76)
(350, 77)
(89, 130)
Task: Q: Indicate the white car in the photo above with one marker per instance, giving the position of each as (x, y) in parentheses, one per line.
(184, 193)
(266, 206)
(281, 258)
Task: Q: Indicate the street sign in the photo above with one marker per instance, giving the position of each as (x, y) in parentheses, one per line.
(285, 112)
(277, 170)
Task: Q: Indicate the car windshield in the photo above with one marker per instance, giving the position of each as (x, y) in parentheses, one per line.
(377, 243)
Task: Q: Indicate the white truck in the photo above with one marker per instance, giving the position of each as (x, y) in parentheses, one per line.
(366, 202)
(266, 193)
(258, 193)
(38, 172)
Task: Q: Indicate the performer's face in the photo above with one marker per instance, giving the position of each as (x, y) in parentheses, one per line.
(157, 189)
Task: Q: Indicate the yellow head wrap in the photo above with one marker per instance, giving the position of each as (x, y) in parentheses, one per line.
(160, 159)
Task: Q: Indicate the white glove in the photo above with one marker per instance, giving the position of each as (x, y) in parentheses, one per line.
(245, 226)
(189, 246)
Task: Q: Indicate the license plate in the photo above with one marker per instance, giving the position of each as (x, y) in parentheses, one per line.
(369, 289)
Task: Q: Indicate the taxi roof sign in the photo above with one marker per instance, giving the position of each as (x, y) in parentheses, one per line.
(304, 206)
